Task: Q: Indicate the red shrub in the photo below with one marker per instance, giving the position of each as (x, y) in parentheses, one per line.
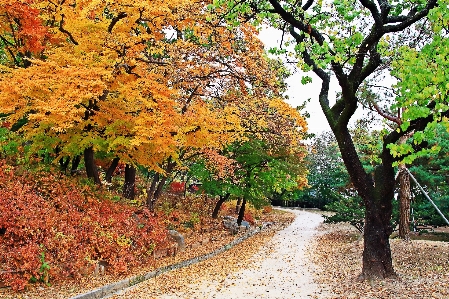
(248, 217)
(177, 187)
(50, 228)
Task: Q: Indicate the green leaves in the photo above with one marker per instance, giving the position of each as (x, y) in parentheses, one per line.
(306, 79)
(422, 93)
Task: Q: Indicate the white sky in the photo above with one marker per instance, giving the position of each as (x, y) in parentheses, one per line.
(299, 93)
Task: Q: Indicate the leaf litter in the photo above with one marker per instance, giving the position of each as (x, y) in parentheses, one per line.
(213, 231)
(422, 267)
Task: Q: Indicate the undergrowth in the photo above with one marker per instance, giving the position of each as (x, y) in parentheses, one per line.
(52, 228)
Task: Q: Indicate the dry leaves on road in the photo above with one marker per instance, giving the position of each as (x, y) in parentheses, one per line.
(278, 269)
(422, 267)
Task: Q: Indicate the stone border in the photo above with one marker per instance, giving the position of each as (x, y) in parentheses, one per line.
(115, 287)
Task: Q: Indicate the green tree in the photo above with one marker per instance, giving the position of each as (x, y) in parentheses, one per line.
(327, 177)
(350, 41)
(432, 172)
(252, 170)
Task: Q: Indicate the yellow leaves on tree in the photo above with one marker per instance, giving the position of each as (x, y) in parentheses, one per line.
(145, 80)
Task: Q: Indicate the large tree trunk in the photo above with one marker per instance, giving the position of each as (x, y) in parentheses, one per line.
(111, 169)
(377, 196)
(218, 205)
(377, 261)
(130, 182)
(91, 168)
(404, 203)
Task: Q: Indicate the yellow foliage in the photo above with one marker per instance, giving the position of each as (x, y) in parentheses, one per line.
(146, 80)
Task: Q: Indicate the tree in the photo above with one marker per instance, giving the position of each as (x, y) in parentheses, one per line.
(150, 84)
(327, 177)
(349, 40)
(432, 172)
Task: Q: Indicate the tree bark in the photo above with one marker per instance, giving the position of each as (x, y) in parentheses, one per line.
(64, 164)
(157, 185)
(377, 196)
(91, 168)
(111, 169)
(130, 182)
(238, 204)
(241, 212)
(218, 205)
(75, 163)
(377, 261)
(404, 203)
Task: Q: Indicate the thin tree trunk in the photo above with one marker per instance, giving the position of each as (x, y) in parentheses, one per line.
(404, 204)
(238, 204)
(75, 163)
(111, 169)
(157, 191)
(64, 164)
(130, 182)
(91, 168)
(218, 205)
(241, 212)
(404, 197)
(150, 192)
(157, 186)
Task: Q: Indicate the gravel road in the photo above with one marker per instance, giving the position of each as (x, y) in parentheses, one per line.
(281, 270)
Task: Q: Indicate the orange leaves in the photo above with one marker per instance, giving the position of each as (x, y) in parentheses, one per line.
(69, 228)
(143, 79)
(222, 166)
(21, 28)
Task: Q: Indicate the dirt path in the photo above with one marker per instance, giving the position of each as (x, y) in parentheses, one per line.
(280, 269)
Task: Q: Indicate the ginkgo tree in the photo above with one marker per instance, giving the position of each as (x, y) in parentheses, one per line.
(350, 41)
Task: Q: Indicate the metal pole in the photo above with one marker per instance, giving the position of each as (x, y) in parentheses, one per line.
(427, 196)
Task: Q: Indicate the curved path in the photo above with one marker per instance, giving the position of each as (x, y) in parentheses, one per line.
(280, 269)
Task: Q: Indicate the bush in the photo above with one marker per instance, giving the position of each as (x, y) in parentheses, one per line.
(51, 229)
(347, 209)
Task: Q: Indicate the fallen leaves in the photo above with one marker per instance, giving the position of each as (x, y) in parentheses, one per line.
(215, 269)
(422, 267)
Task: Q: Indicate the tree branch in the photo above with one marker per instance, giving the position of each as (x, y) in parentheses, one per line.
(66, 32)
(372, 7)
(386, 115)
(114, 21)
(411, 18)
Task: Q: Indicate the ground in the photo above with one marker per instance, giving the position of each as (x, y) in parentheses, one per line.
(319, 261)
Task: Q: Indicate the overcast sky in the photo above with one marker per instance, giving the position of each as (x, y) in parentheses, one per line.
(299, 93)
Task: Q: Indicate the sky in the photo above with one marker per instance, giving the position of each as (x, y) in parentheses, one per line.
(299, 93)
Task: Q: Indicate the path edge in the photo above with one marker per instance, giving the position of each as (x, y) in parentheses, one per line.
(110, 289)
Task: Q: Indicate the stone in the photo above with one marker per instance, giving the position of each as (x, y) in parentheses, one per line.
(196, 245)
(160, 253)
(245, 224)
(205, 240)
(100, 268)
(178, 238)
